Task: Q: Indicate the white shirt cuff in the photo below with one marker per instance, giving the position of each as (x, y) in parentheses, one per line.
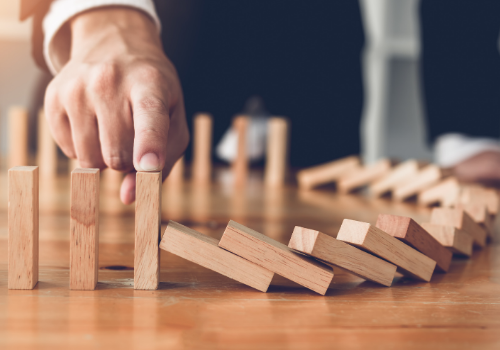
(61, 11)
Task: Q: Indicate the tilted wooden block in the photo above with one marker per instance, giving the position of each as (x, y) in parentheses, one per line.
(326, 173)
(276, 257)
(457, 241)
(411, 233)
(398, 174)
(444, 193)
(277, 149)
(425, 178)
(202, 148)
(479, 213)
(84, 229)
(147, 230)
(203, 250)
(480, 195)
(338, 253)
(23, 227)
(460, 219)
(363, 176)
(409, 261)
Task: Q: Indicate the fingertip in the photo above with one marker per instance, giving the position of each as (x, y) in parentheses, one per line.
(150, 162)
(127, 190)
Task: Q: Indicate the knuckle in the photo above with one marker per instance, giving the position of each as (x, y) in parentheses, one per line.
(151, 104)
(89, 163)
(117, 162)
(104, 78)
(74, 91)
(150, 73)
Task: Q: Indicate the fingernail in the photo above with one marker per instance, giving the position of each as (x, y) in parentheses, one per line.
(150, 162)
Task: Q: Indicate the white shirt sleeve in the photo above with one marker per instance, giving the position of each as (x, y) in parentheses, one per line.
(61, 11)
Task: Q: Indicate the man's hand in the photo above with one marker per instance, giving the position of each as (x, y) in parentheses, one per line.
(118, 102)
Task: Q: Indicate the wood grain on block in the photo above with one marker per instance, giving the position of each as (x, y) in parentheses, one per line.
(396, 175)
(241, 123)
(326, 173)
(444, 193)
(18, 136)
(202, 148)
(84, 229)
(355, 179)
(176, 176)
(205, 251)
(277, 149)
(341, 254)
(411, 233)
(480, 195)
(276, 257)
(23, 227)
(47, 149)
(425, 178)
(147, 230)
(409, 261)
(458, 218)
(456, 240)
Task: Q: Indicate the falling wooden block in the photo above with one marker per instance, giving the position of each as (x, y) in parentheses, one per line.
(425, 178)
(176, 176)
(326, 173)
(23, 227)
(409, 261)
(18, 136)
(47, 149)
(395, 176)
(203, 250)
(276, 257)
(277, 149)
(338, 253)
(147, 230)
(363, 176)
(458, 218)
(444, 193)
(411, 233)
(240, 164)
(202, 148)
(480, 195)
(84, 229)
(457, 241)
(479, 213)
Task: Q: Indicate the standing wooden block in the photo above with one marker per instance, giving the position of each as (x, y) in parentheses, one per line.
(203, 250)
(176, 176)
(458, 218)
(84, 229)
(47, 149)
(241, 124)
(276, 257)
(444, 193)
(147, 230)
(409, 261)
(338, 253)
(363, 176)
(23, 227)
(18, 136)
(202, 148)
(457, 241)
(277, 149)
(411, 233)
(398, 174)
(425, 178)
(326, 173)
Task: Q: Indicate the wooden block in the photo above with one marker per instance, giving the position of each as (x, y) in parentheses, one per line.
(457, 241)
(458, 218)
(23, 227)
(480, 195)
(409, 261)
(363, 176)
(276, 257)
(47, 149)
(411, 233)
(202, 148)
(84, 229)
(398, 174)
(326, 173)
(18, 136)
(147, 230)
(425, 178)
(444, 193)
(241, 123)
(277, 149)
(176, 176)
(337, 253)
(203, 250)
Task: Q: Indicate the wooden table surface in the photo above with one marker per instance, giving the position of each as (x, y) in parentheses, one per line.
(199, 309)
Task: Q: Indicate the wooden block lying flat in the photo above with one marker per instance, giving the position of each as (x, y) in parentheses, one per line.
(338, 253)
(47, 149)
(326, 173)
(18, 136)
(203, 250)
(277, 149)
(411, 233)
(399, 173)
(241, 123)
(23, 227)
(370, 238)
(444, 193)
(276, 257)
(84, 229)
(460, 219)
(457, 241)
(425, 178)
(147, 230)
(355, 179)
(202, 148)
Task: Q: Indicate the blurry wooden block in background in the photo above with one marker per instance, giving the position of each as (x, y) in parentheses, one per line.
(23, 227)
(202, 149)
(73, 164)
(479, 213)
(425, 178)
(409, 261)
(444, 193)
(480, 195)
(47, 149)
(456, 240)
(338, 253)
(240, 165)
(326, 173)
(398, 174)
(277, 150)
(176, 176)
(459, 218)
(362, 176)
(18, 137)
